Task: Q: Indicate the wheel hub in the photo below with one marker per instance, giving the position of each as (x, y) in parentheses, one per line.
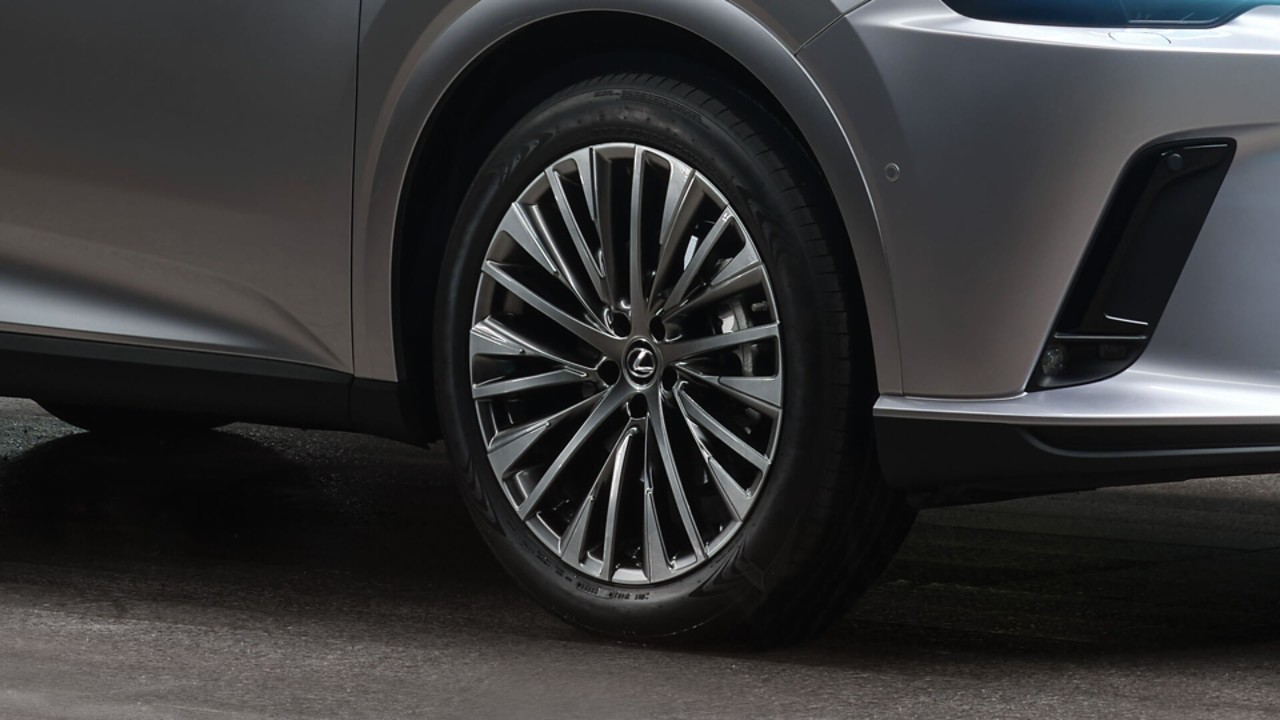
(641, 363)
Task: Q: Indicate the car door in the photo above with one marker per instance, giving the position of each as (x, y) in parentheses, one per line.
(178, 174)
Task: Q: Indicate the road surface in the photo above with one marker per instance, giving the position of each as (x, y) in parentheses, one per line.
(267, 573)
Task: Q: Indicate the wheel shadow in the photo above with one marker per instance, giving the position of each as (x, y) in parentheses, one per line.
(226, 499)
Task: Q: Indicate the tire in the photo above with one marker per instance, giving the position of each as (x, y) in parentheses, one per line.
(119, 421)
(821, 524)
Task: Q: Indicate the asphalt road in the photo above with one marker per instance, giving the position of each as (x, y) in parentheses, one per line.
(265, 573)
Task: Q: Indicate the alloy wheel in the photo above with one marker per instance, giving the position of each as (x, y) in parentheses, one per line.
(626, 364)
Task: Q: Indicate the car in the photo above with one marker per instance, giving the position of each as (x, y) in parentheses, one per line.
(706, 299)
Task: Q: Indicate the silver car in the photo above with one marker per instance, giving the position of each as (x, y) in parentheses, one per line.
(705, 296)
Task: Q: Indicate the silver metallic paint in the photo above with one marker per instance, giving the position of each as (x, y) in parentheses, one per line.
(1010, 139)
(1215, 358)
(179, 174)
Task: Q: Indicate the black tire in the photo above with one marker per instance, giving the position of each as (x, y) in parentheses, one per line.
(826, 524)
(120, 421)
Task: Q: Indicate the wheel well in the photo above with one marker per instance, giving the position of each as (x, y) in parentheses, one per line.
(483, 104)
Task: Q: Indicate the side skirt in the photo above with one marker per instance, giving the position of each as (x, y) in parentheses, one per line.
(59, 370)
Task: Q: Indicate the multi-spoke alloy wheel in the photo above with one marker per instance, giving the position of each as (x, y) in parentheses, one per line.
(654, 370)
(626, 365)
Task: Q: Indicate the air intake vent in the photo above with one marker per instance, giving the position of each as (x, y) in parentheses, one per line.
(1134, 262)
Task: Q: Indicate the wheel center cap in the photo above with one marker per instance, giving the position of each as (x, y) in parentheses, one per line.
(641, 363)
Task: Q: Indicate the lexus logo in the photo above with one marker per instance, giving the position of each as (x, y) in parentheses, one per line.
(641, 363)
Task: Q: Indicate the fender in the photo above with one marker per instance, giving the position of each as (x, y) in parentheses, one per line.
(412, 52)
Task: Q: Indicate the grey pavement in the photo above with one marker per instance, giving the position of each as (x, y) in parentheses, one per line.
(267, 573)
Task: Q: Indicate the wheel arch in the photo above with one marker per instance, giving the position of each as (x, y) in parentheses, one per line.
(428, 118)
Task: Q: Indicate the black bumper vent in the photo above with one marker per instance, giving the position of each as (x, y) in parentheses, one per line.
(1134, 261)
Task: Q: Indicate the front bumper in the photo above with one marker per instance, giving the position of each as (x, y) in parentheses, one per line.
(1010, 140)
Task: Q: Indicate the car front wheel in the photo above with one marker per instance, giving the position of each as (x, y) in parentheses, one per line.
(655, 369)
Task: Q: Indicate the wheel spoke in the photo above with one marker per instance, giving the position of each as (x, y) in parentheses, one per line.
(595, 274)
(572, 543)
(509, 446)
(526, 225)
(737, 500)
(676, 205)
(600, 197)
(656, 567)
(570, 278)
(605, 407)
(683, 349)
(636, 258)
(515, 386)
(491, 337)
(760, 393)
(517, 225)
(745, 260)
(589, 334)
(690, 274)
(722, 287)
(698, 415)
(663, 441)
(621, 453)
(684, 190)
(575, 536)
